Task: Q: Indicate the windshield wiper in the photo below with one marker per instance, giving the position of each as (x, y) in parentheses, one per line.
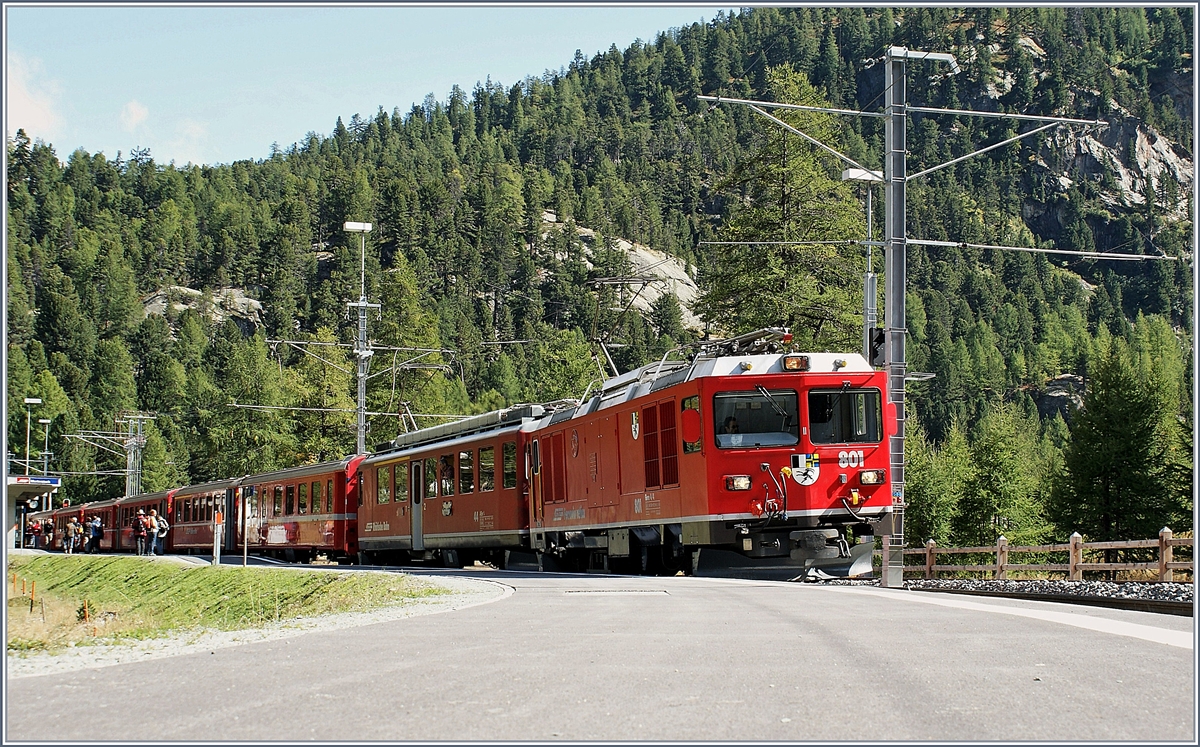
(787, 419)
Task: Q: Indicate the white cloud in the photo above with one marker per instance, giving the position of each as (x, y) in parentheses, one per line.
(133, 114)
(190, 144)
(32, 99)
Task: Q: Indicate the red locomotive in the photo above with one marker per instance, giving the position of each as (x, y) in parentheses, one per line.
(744, 460)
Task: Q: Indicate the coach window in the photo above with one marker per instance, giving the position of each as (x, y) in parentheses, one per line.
(431, 477)
(744, 420)
(289, 499)
(510, 464)
(302, 497)
(383, 485)
(208, 508)
(401, 482)
(315, 491)
(845, 416)
(466, 472)
(278, 510)
(446, 473)
(487, 469)
(329, 495)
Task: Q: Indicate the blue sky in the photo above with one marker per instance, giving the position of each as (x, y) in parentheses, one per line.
(219, 84)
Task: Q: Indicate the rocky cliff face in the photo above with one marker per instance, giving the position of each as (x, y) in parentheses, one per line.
(217, 306)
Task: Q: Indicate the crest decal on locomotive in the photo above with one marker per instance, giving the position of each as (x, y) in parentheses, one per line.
(633, 423)
(806, 468)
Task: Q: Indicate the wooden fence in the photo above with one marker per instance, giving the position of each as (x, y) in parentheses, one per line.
(1075, 565)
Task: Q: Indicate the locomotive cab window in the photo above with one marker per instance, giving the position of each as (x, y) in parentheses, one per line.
(845, 416)
(745, 420)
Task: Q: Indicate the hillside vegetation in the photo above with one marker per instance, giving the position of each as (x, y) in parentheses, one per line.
(618, 143)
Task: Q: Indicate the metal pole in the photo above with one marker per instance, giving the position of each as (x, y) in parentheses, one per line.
(46, 451)
(895, 176)
(245, 524)
(869, 286)
(27, 419)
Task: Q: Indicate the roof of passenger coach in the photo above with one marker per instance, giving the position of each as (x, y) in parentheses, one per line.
(295, 473)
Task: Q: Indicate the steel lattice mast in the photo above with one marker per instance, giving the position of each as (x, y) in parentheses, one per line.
(362, 348)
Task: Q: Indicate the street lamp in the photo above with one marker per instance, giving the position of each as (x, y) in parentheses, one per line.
(45, 422)
(362, 348)
(29, 402)
(870, 315)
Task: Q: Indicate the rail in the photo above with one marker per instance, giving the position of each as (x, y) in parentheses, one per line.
(1074, 568)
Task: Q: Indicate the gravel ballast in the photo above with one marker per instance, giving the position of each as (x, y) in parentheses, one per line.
(1137, 590)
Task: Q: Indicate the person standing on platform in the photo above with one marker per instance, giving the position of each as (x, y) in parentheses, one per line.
(160, 545)
(95, 532)
(139, 531)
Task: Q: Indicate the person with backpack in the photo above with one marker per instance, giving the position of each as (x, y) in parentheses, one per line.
(69, 537)
(139, 531)
(160, 539)
(78, 538)
(96, 532)
(48, 534)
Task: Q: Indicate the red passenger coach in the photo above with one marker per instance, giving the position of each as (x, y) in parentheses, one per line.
(453, 488)
(126, 511)
(193, 515)
(299, 512)
(743, 459)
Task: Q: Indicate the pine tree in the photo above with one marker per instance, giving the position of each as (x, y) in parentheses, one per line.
(1115, 481)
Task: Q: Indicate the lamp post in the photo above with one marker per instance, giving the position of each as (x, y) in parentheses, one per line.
(362, 349)
(45, 423)
(29, 402)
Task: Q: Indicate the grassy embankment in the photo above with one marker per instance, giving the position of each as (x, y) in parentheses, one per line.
(133, 598)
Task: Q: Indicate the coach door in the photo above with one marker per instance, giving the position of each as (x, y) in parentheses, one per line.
(231, 506)
(537, 495)
(417, 486)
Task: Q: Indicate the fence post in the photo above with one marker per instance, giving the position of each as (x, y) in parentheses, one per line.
(1001, 558)
(1164, 555)
(930, 558)
(1076, 557)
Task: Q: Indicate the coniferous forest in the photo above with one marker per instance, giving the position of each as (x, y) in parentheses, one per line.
(1061, 396)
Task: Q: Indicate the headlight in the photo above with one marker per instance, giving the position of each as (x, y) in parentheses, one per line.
(795, 363)
(872, 476)
(737, 482)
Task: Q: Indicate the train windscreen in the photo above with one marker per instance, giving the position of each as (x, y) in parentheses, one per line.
(744, 420)
(845, 416)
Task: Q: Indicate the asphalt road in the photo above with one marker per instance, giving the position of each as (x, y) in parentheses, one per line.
(619, 658)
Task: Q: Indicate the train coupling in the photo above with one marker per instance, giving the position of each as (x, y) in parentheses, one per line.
(824, 553)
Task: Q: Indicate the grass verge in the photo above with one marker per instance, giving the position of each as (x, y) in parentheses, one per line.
(135, 598)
